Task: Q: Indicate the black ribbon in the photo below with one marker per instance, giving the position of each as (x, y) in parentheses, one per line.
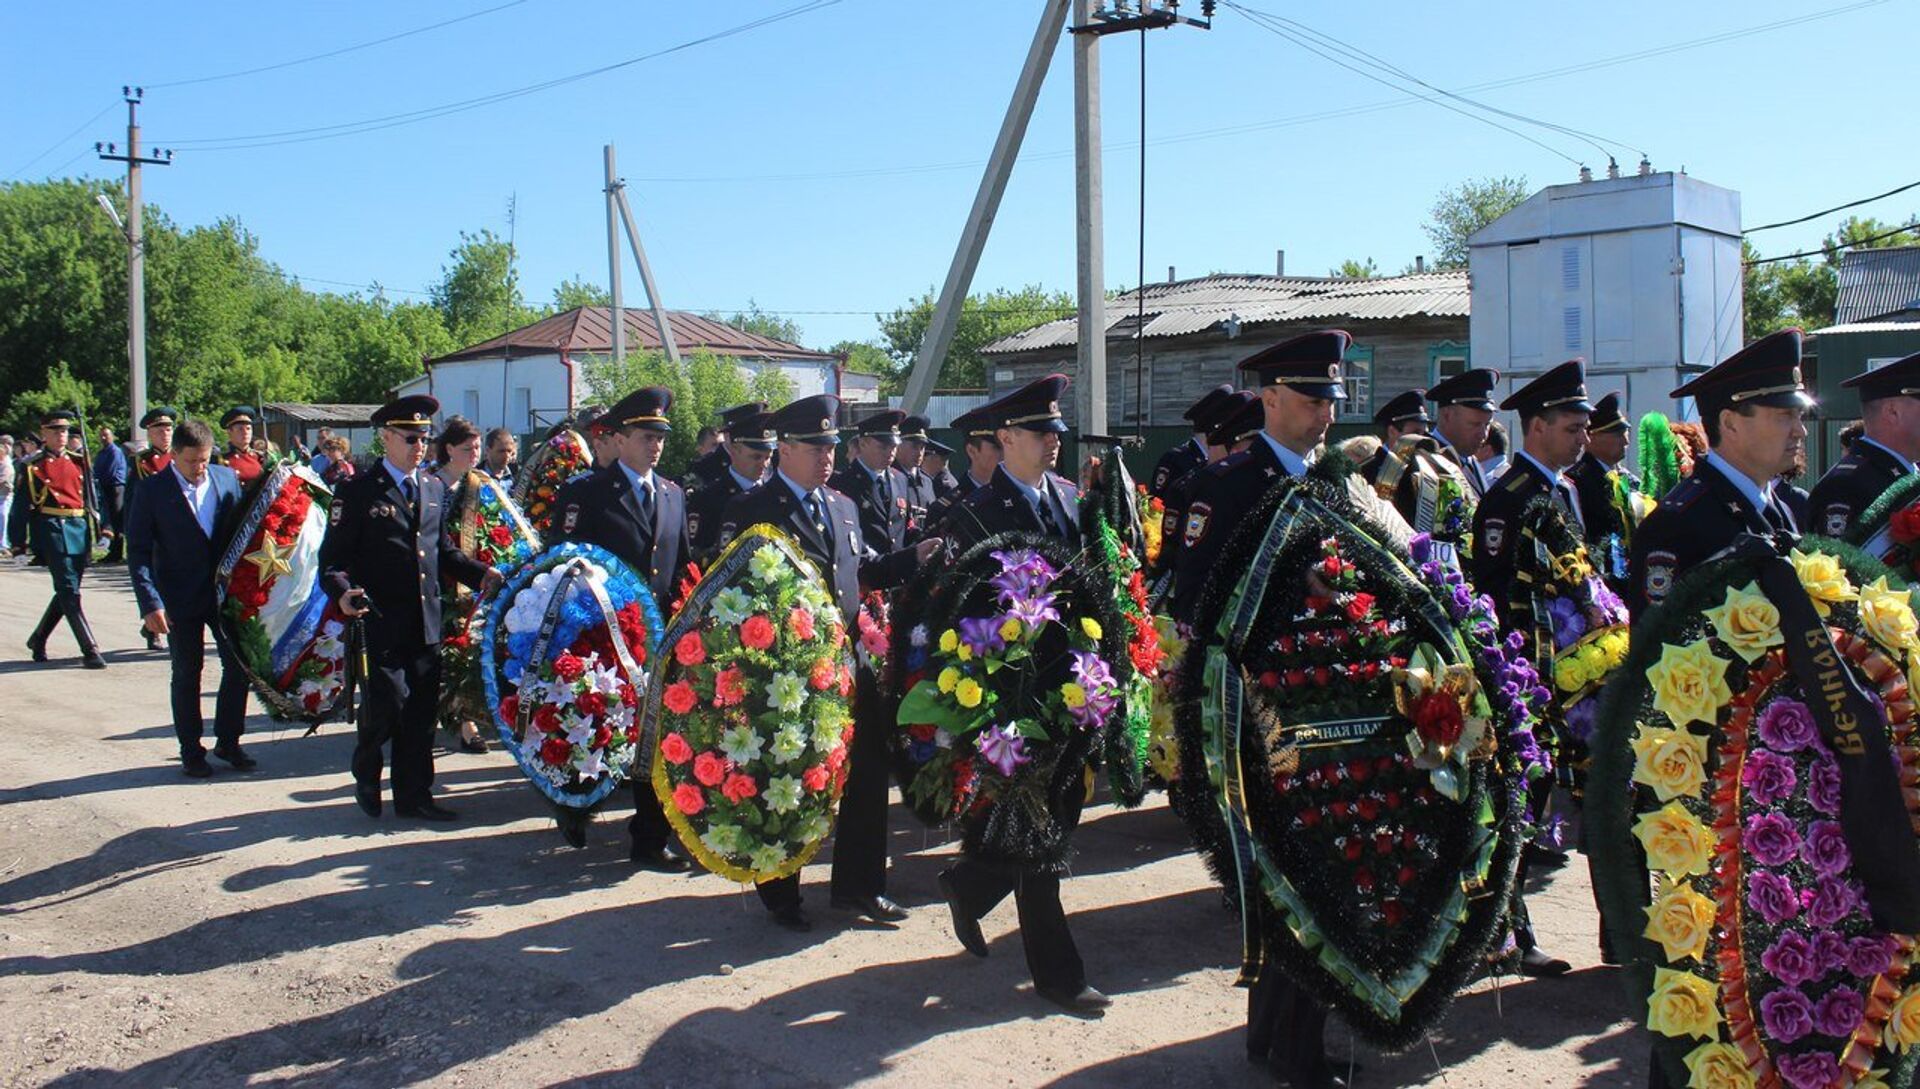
(357, 669)
(1873, 815)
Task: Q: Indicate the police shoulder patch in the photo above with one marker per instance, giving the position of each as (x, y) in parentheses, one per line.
(693, 523)
(1659, 578)
(1197, 517)
(1160, 478)
(571, 519)
(333, 513)
(1494, 534)
(1835, 518)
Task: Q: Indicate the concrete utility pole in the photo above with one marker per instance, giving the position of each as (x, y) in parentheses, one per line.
(1090, 380)
(986, 204)
(646, 278)
(613, 261)
(136, 261)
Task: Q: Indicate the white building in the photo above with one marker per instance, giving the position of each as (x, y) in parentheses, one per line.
(1638, 275)
(532, 377)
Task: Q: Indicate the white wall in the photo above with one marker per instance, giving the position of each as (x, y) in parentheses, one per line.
(524, 394)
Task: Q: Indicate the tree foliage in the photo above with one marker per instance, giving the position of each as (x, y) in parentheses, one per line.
(758, 321)
(983, 319)
(705, 384)
(578, 292)
(1805, 291)
(1464, 209)
(1355, 270)
(479, 293)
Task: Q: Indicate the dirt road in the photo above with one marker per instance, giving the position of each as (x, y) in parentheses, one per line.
(258, 929)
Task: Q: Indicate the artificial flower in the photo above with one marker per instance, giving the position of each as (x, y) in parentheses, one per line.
(1887, 614)
(721, 838)
(730, 606)
(1825, 848)
(1073, 695)
(1680, 920)
(783, 794)
(1672, 762)
(675, 749)
(800, 624)
(690, 651)
(786, 693)
(1003, 749)
(968, 693)
(757, 632)
(1748, 621)
(1771, 838)
(1791, 959)
(767, 565)
(788, 742)
(1786, 1015)
(767, 857)
(1822, 577)
(1718, 1066)
(1689, 683)
(1903, 1021)
(739, 787)
(1682, 1004)
(1768, 777)
(1676, 842)
(740, 744)
(688, 799)
(679, 697)
(1808, 1069)
(1838, 1012)
(729, 687)
(1010, 629)
(1091, 628)
(1787, 726)
(949, 640)
(949, 677)
(710, 769)
(815, 778)
(1772, 897)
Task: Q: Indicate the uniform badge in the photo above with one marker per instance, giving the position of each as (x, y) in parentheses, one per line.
(382, 510)
(333, 513)
(1197, 516)
(726, 532)
(1837, 517)
(693, 523)
(1160, 478)
(1495, 533)
(571, 520)
(1660, 574)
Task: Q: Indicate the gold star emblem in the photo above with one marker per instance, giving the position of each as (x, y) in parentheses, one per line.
(269, 559)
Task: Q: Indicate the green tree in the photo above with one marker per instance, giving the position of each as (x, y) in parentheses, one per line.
(479, 293)
(60, 391)
(1804, 291)
(770, 384)
(1354, 270)
(864, 357)
(983, 319)
(758, 321)
(1856, 232)
(63, 290)
(704, 384)
(577, 292)
(1464, 209)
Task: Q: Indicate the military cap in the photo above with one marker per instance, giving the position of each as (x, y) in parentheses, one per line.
(1409, 406)
(810, 420)
(733, 416)
(645, 408)
(1563, 387)
(971, 424)
(1241, 416)
(1606, 416)
(411, 413)
(1308, 364)
(1221, 410)
(881, 425)
(935, 446)
(1471, 388)
(1201, 408)
(1033, 407)
(755, 432)
(59, 417)
(1900, 378)
(241, 414)
(160, 415)
(914, 428)
(1766, 372)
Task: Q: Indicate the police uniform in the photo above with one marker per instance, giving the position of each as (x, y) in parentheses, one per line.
(1190, 455)
(971, 429)
(387, 539)
(1407, 412)
(973, 888)
(711, 467)
(1471, 389)
(1868, 468)
(158, 454)
(250, 466)
(920, 490)
(1231, 420)
(706, 507)
(827, 526)
(943, 482)
(53, 516)
(881, 497)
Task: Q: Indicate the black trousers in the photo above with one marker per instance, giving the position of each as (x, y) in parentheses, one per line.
(648, 825)
(402, 703)
(187, 648)
(1052, 957)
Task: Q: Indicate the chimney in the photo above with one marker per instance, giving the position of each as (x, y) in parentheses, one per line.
(1279, 262)
(1420, 263)
(1170, 276)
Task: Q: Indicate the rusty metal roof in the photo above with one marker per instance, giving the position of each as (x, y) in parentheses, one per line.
(588, 329)
(1192, 306)
(1877, 283)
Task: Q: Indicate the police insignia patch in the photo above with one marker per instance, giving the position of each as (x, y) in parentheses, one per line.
(572, 519)
(1197, 516)
(1837, 516)
(333, 513)
(1494, 534)
(693, 523)
(1160, 478)
(1660, 574)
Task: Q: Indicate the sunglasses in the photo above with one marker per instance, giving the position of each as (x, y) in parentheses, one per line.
(412, 438)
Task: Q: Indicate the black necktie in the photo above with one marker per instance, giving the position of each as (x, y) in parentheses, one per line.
(407, 488)
(646, 503)
(817, 511)
(1044, 506)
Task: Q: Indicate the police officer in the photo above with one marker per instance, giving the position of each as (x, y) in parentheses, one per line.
(710, 467)
(907, 459)
(1024, 494)
(1229, 425)
(640, 517)
(1465, 404)
(749, 446)
(54, 517)
(878, 490)
(239, 454)
(796, 499)
(1192, 454)
(935, 463)
(1886, 451)
(158, 424)
(1752, 406)
(1608, 436)
(383, 554)
(1405, 414)
(983, 457)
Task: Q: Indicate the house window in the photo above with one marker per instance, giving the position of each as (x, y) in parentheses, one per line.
(1359, 384)
(1446, 359)
(1136, 390)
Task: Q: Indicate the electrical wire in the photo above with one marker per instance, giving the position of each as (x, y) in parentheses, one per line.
(374, 124)
(1911, 226)
(55, 146)
(1835, 208)
(334, 52)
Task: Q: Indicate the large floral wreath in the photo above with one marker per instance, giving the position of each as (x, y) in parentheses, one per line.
(1889, 529)
(1356, 741)
(1777, 834)
(752, 708)
(563, 655)
(562, 456)
(288, 637)
(487, 526)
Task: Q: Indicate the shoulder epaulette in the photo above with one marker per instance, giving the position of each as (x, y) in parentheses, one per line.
(1684, 493)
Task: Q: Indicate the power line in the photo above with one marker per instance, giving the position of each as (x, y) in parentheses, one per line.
(55, 146)
(372, 124)
(1911, 226)
(335, 52)
(1835, 208)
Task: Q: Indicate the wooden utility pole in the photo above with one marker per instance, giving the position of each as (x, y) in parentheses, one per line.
(136, 261)
(613, 261)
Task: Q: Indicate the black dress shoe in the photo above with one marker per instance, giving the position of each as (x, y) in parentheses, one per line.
(38, 650)
(1311, 1077)
(235, 755)
(1541, 966)
(792, 918)
(573, 825)
(1086, 1000)
(196, 767)
(1547, 858)
(965, 927)
(425, 811)
(93, 661)
(369, 799)
(474, 744)
(658, 859)
(878, 908)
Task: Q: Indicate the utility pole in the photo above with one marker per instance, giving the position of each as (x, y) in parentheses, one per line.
(613, 261)
(136, 260)
(1090, 379)
(646, 278)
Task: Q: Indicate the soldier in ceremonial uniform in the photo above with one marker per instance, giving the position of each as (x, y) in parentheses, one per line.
(383, 555)
(711, 466)
(247, 463)
(158, 424)
(1024, 494)
(907, 459)
(1554, 413)
(1886, 450)
(640, 517)
(1465, 403)
(1192, 454)
(796, 499)
(1752, 406)
(53, 517)
(749, 447)
(934, 463)
(878, 489)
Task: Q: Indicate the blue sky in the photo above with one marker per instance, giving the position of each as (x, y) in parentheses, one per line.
(822, 165)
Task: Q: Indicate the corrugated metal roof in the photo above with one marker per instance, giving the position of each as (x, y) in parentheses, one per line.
(1876, 283)
(586, 329)
(351, 415)
(1871, 327)
(1193, 306)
